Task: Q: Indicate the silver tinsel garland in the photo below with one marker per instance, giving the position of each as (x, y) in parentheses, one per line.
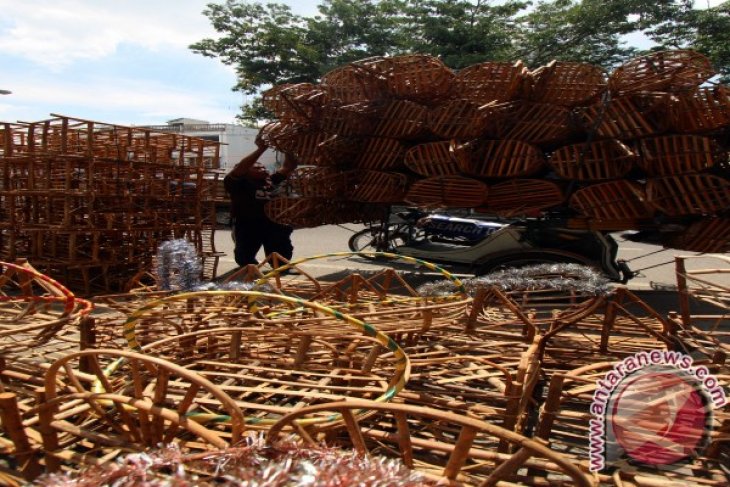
(560, 277)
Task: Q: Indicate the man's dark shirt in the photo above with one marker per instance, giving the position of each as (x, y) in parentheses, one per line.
(249, 197)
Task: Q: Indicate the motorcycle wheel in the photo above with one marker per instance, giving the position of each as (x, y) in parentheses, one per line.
(365, 241)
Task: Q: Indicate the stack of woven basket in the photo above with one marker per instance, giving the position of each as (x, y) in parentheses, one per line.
(646, 143)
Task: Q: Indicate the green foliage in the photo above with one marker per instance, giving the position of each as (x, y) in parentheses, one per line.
(267, 44)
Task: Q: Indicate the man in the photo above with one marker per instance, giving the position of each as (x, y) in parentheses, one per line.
(250, 186)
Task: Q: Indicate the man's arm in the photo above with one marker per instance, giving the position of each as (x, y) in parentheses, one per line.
(290, 164)
(245, 164)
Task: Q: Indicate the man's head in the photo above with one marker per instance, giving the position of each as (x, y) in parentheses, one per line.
(257, 172)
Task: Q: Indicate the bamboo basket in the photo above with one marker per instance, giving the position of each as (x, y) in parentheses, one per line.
(294, 103)
(567, 83)
(593, 161)
(401, 119)
(457, 119)
(678, 154)
(673, 71)
(338, 151)
(522, 197)
(490, 81)
(447, 192)
(704, 110)
(320, 182)
(499, 158)
(538, 123)
(444, 446)
(352, 84)
(626, 117)
(355, 119)
(300, 212)
(614, 200)
(381, 154)
(689, 194)
(300, 141)
(418, 77)
(432, 159)
(711, 235)
(380, 187)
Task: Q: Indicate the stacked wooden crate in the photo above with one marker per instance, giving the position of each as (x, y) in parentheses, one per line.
(643, 145)
(89, 202)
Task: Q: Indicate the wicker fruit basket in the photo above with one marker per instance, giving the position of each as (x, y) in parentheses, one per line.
(320, 182)
(704, 110)
(447, 192)
(401, 119)
(352, 84)
(418, 77)
(538, 123)
(673, 71)
(297, 212)
(709, 235)
(567, 83)
(355, 119)
(678, 154)
(381, 154)
(490, 81)
(432, 159)
(294, 103)
(593, 161)
(499, 158)
(626, 117)
(380, 187)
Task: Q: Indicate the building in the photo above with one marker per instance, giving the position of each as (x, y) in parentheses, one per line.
(237, 140)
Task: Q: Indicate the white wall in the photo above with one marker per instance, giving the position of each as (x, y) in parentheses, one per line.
(241, 142)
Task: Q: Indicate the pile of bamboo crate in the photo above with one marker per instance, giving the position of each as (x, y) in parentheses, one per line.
(643, 145)
(88, 202)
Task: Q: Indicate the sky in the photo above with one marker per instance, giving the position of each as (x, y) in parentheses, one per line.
(123, 62)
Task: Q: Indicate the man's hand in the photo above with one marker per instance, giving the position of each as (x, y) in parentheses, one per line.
(290, 164)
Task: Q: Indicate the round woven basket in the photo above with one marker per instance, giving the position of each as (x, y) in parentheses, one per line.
(379, 187)
(297, 212)
(676, 70)
(321, 182)
(567, 83)
(538, 123)
(490, 81)
(432, 159)
(447, 192)
(626, 117)
(689, 194)
(613, 200)
(678, 154)
(708, 235)
(354, 83)
(418, 77)
(355, 119)
(522, 197)
(704, 110)
(499, 158)
(294, 103)
(302, 142)
(593, 161)
(457, 119)
(381, 154)
(401, 119)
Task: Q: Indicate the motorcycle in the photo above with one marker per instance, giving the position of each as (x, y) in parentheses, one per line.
(482, 245)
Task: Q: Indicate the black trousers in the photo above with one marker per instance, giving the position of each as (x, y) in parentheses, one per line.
(251, 235)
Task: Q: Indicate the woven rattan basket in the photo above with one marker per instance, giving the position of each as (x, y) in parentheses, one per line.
(676, 70)
(689, 194)
(338, 151)
(704, 110)
(351, 84)
(418, 77)
(322, 182)
(355, 119)
(499, 158)
(299, 141)
(380, 187)
(447, 191)
(298, 212)
(613, 200)
(401, 119)
(593, 161)
(678, 154)
(294, 103)
(490, 81)
(522, 197)
(457, 119)
(626, 117)
(709, 235)
(381, 154)
(538, 123)
(432, 159)
(567, 83)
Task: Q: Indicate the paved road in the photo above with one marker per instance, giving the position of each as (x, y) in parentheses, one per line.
(659, 263)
